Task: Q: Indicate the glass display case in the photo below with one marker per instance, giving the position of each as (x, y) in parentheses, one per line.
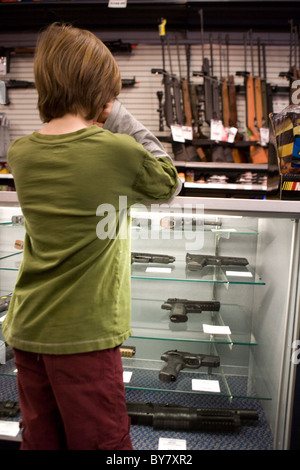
(214, 300)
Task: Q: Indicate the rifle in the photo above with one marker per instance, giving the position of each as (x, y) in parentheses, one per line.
(257, 153)
(263, 86)
(194, 91)
(207, 79)
(183, 418)
(179, 308)
(160, 110)
(222, 153)
(151, 258)
(215, 84)
(188, 121)
(197, 262)
(266, 90)
(5, 84)
(178, 360)
(237, 155)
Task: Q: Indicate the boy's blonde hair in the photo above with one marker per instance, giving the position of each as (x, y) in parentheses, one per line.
(74, 73)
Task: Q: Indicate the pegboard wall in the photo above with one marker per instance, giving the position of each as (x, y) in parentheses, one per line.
(141, 100)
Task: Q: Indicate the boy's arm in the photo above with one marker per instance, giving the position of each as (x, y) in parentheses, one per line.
(123, 122)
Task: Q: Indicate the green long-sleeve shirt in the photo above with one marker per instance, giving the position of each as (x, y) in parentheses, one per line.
(73, 290)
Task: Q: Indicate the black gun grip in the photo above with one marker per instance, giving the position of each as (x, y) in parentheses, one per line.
(170, 371)
(178, 313)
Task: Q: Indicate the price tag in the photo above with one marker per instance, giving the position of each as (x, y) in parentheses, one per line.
(158, 270)
(171, 444)
(216, 330)
(239, 273)
(203, 385)
(127, 376)
(9, 428)
(187, 132)
(264, 135)
(231, 133)
(117, 4)
(216, 130)
(3, 66)
(177, 133)
(2, 352)
(2, 318)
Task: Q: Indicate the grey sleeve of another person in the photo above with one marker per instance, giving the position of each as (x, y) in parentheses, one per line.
(123, 122)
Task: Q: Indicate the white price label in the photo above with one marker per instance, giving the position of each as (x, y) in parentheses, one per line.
(216, 330)
(177, 134)
(203, 385)
(127, 376)
(117, 4)
(171, 444)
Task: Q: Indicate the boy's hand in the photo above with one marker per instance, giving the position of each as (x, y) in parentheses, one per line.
(105, 113)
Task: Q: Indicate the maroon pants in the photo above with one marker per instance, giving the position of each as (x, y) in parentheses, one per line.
(72, 402)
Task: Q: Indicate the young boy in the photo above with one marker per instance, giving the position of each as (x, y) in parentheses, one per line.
(70, 309)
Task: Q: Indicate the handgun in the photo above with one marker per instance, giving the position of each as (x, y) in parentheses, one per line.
(197, 262)
(178, 360)
(179, 308)
(151, 258)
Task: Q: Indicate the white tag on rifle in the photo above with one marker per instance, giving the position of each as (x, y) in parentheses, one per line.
(187, 132)
(216, 130)
(231, 133)
(264, 135)
(177, 133)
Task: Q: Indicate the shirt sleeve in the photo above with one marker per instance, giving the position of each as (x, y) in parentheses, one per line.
(121, 121)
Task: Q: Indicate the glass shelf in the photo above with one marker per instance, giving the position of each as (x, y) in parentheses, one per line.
(143, 230)
(150, 321)
(11, 261)
(8, 369)
(145, 377)
(178, 272)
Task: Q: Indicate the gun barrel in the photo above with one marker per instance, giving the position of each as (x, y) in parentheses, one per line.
(175, 417)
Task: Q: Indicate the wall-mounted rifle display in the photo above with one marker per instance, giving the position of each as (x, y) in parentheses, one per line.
(171, 106)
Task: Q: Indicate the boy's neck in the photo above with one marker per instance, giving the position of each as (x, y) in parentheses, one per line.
(65, 125)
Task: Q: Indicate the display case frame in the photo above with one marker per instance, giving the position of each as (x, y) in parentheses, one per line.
(272, 245)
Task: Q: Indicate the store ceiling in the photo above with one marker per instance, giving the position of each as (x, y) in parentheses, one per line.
(181, 15)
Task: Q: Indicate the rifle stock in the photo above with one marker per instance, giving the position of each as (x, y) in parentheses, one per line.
(257, 153)
(225, 102)
(187, 103)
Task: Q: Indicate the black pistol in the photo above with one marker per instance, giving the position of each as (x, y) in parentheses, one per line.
(177, 360)
(197, 262)
(179, 308)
